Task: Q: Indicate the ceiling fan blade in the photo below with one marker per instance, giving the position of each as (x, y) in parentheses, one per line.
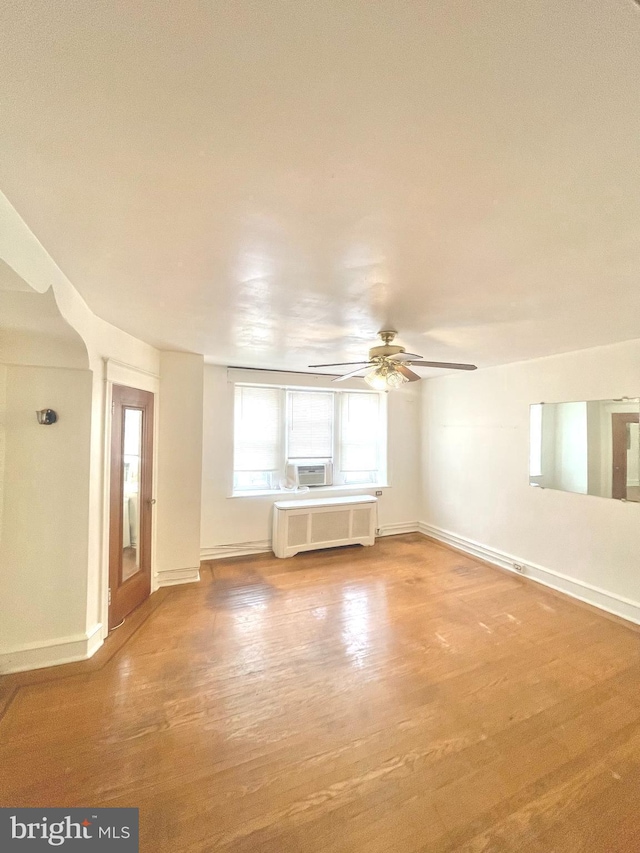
(340, 364)
(404, 356)
(404, 370)
(444, 364)
(353, 372)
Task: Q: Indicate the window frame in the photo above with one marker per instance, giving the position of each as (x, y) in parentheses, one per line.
(339, 395)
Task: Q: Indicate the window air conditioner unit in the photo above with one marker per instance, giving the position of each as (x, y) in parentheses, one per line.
(311, 473)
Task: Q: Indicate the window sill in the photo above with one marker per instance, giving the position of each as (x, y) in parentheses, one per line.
(313, 491)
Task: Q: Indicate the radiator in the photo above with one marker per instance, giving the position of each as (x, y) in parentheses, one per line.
(329, 523)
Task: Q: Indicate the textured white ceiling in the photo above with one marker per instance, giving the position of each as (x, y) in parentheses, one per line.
(269, 183)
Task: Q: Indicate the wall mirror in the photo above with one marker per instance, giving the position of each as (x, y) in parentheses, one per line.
(591, 447)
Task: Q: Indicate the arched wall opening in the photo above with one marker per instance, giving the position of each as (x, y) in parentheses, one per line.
(66, 617)
(44, 477)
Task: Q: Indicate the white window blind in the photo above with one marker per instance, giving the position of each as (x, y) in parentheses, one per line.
(310, 425)
(258, 428)
(359, 433)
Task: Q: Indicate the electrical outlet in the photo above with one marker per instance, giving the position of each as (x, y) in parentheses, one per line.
(519, 568)
(378, 493)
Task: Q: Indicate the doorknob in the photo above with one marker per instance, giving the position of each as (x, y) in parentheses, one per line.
(151, 501)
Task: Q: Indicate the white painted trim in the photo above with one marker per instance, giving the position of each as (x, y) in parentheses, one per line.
(94, 640)
(154, 515)
(172, 577)
(241, 549)
(51, 652)
(45, 366)
(399, 527)
(106, 490)
(128, 374)
(594, 595)
(245, 549)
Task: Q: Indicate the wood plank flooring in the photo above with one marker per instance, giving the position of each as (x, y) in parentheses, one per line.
(400, 698)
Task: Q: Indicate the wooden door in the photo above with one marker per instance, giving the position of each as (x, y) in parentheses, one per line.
(131, 499)
(620, 439)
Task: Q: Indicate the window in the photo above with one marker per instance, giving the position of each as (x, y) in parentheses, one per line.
(275, 426)
(310, 424)
(359, 442)
(257, 437)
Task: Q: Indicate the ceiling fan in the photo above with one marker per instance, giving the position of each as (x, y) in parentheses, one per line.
(389, 365)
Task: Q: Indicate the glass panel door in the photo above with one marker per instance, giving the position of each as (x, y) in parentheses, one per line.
(131, 470)
(131, 501)
(633, 461)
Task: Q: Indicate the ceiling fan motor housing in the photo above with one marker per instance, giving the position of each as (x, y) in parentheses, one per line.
(387, 349)
(384, 351)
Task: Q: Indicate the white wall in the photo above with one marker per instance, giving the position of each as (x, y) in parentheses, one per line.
(240, 520)
(3, 438)
(179, 489)
(44, 546)
(475, 461)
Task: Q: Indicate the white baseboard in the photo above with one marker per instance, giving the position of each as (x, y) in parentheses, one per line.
(51, 652)
(395, 529)
(601, 598)
(240, 549)
(245, 549)
(172, 577)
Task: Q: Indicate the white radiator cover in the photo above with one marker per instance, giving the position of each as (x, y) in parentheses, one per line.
(323, 523)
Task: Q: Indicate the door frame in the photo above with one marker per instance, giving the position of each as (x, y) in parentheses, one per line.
(619, 432)
(119, 373)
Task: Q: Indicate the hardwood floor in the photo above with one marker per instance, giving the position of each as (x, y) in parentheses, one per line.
(402, 698)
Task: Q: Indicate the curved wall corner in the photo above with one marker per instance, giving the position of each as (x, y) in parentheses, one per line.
(34, 332)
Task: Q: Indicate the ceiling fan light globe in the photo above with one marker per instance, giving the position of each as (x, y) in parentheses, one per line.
(384, 377)
(377, 380)
(395, 379)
